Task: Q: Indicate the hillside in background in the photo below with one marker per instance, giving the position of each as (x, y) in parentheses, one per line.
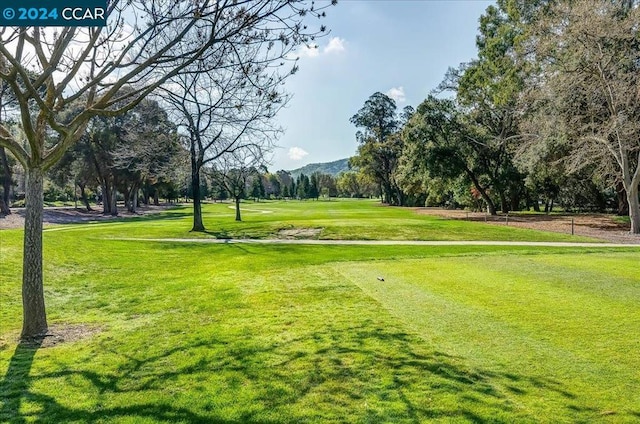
(331, 168)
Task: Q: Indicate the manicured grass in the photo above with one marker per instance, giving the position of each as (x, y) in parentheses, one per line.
(283, 333)
(336, 219)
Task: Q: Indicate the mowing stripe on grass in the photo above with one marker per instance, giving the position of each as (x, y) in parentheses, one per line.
(568, 344)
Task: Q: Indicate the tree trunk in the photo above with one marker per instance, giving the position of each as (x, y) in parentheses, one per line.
(4, 208)
(106, 198)
(6, 184)
(623, 204)
(85, 199)
(515, 202)
(146, 195)
(238, 217)
(126, 192)
(402, 198)
(387, 193)
(634, 209)
(504, 205)
(198, 225)
(113, 207)
(133, 206)
(536, 204)
(34, 322)
(156, 199)
(491, 207)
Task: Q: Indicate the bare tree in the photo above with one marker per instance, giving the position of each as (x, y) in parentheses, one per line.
(143, 45)
(234, 170)
(223, 109)
(587, 91)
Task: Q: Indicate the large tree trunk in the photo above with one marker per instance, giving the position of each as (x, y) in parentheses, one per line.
(504, 205)
(34, 322)
(133, 198)
(514, 199)
(106, 198)
(146, 194)
(6, 184)
(4, 208)
(133, 206)
(85, 199)
(634, 209)
(126, 192)
(491, 207)
(238, 217)
(198, 225)
(113, 206)
(387, 193)
(623, 204)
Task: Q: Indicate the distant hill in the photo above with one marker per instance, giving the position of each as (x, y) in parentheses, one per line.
(331, 168)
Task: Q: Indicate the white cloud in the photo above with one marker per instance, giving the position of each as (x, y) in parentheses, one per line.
(397, 94)
(296, 153)
(309, 51)
(336, 45)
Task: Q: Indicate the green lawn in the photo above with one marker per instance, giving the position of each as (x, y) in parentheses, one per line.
(208, 333)
(336, 219)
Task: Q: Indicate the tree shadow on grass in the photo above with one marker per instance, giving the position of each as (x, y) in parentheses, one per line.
(77, 216)
(220, 234)
(16, 390)
(16, 382)
(360, 372)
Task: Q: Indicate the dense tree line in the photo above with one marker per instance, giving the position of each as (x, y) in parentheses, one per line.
(547, 114)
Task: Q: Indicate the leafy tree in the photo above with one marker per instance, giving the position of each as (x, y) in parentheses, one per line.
(314, 190)
(489, 88)
(257, 188)
(441, 142)
(272, 185)
(148, 149)
(355, 184)
(348, 185)
(302, 186)
(380, 147)
(326, 184)
(293, 189)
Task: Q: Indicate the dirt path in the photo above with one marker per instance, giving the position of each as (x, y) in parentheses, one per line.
(70, 215)
(599, 226)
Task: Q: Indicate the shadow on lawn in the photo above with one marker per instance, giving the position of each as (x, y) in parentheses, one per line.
(15, 385)
(65, 216)
(15, 390)
(360, 373)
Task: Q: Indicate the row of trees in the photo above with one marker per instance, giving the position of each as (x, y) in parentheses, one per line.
(94, 167)
(549, 111)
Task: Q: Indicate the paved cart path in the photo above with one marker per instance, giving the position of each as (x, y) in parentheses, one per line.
(381, 242)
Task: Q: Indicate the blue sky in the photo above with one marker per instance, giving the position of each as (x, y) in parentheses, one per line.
(374, 45)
